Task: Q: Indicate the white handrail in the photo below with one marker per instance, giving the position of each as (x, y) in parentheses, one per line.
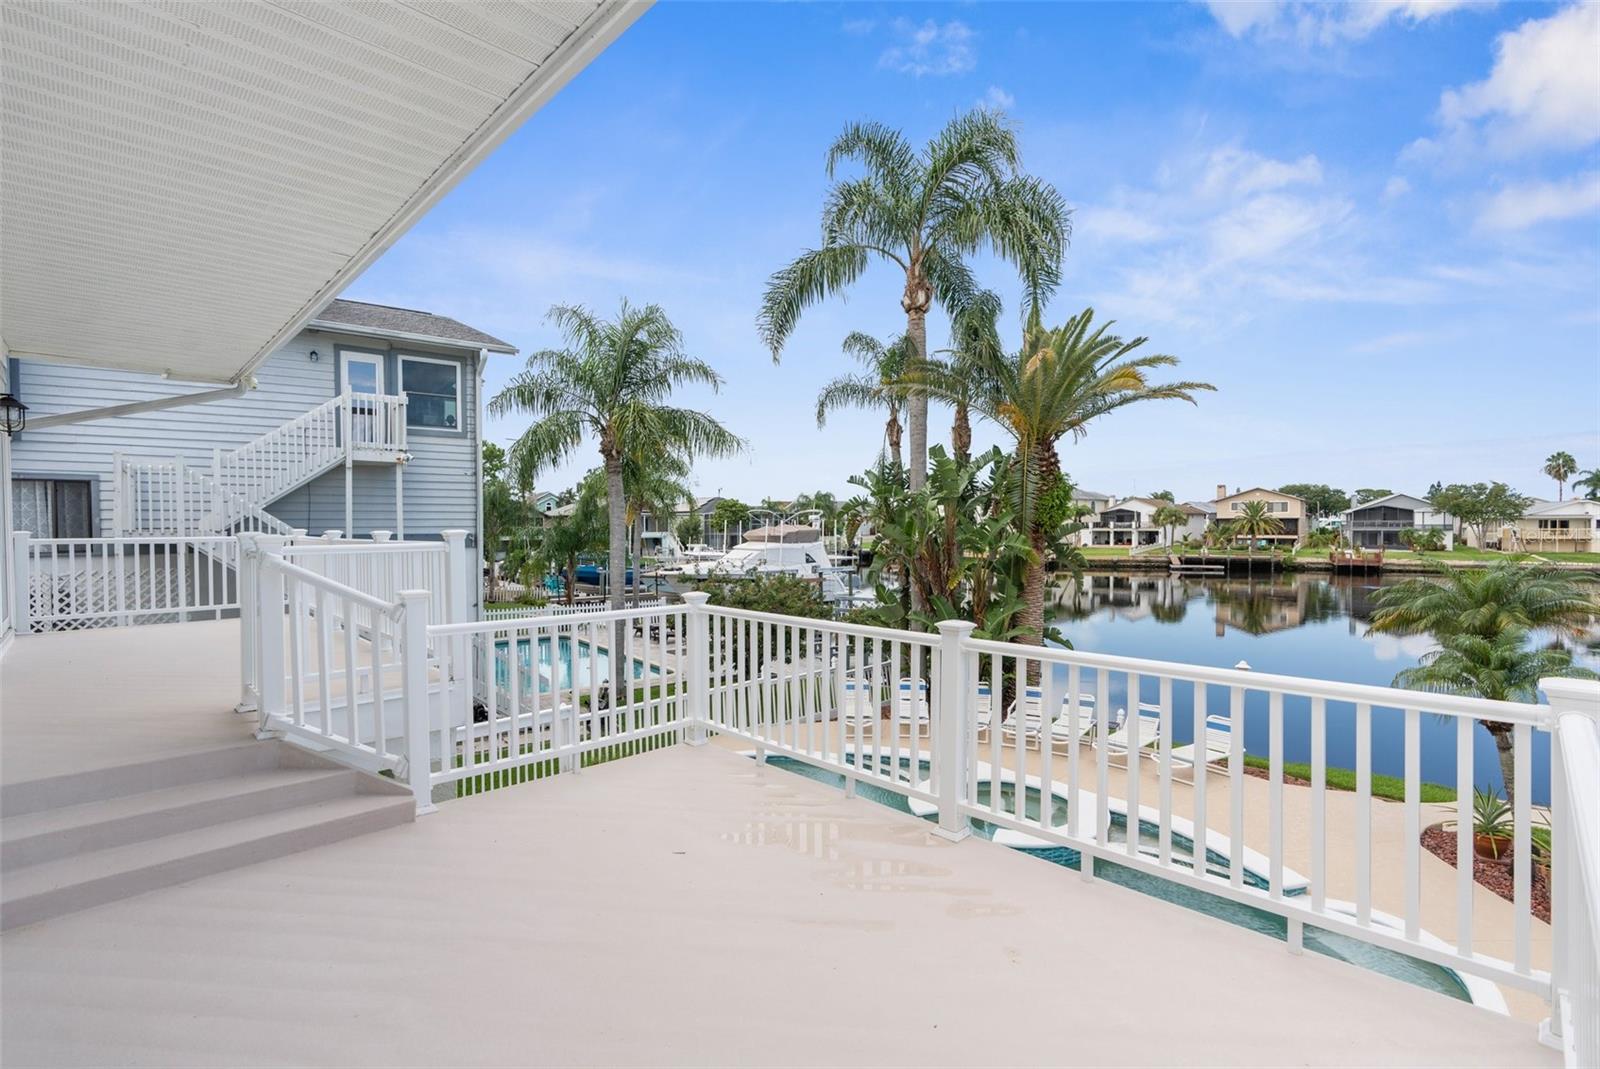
(1576, 871)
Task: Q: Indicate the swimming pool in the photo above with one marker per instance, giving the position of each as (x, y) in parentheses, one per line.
(1378, 959)
(557, 667)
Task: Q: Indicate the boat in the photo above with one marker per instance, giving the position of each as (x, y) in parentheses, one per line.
(778, 549)
(594, 574)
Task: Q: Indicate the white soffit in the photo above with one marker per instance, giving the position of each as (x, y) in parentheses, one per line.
(186, 184)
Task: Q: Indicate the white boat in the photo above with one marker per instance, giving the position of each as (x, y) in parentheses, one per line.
(778, 549)
(697, 552)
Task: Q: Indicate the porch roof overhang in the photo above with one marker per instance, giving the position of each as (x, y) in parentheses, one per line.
(185, 188)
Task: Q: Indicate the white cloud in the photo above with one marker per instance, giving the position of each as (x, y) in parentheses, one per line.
(930, 48)
(998, 99)
(1543, 92)
(1521, 206)
(1321, 23)
(860, 27)
(1396, 188)
(1236, 170)
(1112, 224)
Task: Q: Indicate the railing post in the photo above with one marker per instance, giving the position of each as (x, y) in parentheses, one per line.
(418, 720)
(694, 692)
(1565, 696)
(269, 635)
(249, 620)
(21, 583)
(950, 729)
(458, 578)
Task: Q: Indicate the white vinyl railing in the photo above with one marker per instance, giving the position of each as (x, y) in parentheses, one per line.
(70, 584)
(550, 691)
(1575, 1014)
(1129, 762)
(228, 495)
(554, 609)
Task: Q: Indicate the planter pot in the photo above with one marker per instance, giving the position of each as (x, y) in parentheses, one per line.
(1492, 847)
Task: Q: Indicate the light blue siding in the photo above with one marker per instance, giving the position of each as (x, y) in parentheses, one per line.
(440, 481)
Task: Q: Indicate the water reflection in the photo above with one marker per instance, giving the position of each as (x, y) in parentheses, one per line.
(1297, 624)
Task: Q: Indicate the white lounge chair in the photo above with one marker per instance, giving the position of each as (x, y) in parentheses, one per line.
(913, 708)
(1214, 748)
(1118, 742)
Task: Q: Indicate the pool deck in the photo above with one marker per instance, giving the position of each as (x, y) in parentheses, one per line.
(681, 906)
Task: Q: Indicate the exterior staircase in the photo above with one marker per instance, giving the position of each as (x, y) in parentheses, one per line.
(85, 839)
(176, 496)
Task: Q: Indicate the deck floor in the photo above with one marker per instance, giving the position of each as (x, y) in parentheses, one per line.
(689, 906)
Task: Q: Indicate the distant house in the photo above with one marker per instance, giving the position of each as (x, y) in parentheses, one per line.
(1556, 527)
(1377, 524)
(543, 502)
(1131, 522)
(1290, 511)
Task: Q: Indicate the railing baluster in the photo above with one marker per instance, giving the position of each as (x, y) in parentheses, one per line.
(1135, 748)
(1164, 756)
(998, 713)
(1235, 783)
(1363, 813)
(1319, 786)
(1464, 854)
(1275, 794)
(1522, 845)
(1049, 713)
(1198, 848)
(1102, 762)
(1413, 822)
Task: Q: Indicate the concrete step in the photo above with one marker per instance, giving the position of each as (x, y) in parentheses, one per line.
(37, 892)
(51, 834)
(94, 785)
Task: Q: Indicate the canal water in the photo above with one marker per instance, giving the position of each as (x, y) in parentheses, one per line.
(1298, 624)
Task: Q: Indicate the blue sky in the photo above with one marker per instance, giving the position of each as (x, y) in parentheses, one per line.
(1376, 229)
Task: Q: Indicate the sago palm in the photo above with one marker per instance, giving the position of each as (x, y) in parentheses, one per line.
(1560, 466)
(924, 212)
(879, 387)
(1061, 381)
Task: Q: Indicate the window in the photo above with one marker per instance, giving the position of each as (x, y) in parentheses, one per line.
(54, 508)
(433, 392)
(1554, 525)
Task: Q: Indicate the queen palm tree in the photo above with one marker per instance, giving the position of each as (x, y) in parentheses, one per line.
(1169, 518)
(656, 483)
(880, 387)
(1057, 384)
(1560, 466)
(1589, 483)
(924, 212)
(1482, 619)
(611, 382)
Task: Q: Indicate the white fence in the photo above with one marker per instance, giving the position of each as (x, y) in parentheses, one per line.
(70, 584)
(1129, 762)
(554, 609)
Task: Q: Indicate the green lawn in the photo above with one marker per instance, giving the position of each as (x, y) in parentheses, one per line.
(1344, 779)
(1105, 551)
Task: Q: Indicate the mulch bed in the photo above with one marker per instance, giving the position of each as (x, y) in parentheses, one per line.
(1264, 773)
(1495, 875)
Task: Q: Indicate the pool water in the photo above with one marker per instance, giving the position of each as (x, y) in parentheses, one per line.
(1378, 959)
(556, 664)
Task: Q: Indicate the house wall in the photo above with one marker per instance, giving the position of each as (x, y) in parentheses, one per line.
(1292, 514)
(440, 484)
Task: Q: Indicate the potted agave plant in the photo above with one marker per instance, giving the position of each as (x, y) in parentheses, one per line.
(1491, 826)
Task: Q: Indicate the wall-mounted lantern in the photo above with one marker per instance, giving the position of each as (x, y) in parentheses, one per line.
(13, 414)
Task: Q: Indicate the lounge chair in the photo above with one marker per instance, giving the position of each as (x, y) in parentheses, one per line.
(913, 709)
(1214, 748)
(1118, 741)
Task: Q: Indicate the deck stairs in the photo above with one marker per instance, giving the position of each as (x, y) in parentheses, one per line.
(229, 495)
(76, 841)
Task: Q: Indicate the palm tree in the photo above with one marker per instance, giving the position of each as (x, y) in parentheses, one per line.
(878, 388)
(655, 482)
(1169, 518)
(1503, 668)
(1253, 522)
(925, 212)
(1060, 381)
(557, 544)
(975, 339)
(503, 511)
(612, 382)
(1481, 618)
(1589, 483)
(1560, 466)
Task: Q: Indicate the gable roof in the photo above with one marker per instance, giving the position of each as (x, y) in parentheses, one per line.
(406, 323)
(1260, 490)
(1416, 503)
(1573, 506)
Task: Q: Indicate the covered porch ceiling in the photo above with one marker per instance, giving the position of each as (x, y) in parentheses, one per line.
(185, 185)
